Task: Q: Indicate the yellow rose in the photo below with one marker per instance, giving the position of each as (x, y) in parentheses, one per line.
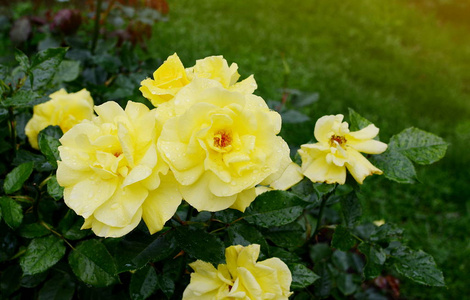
(64, 110)
(167, 80)
(338, 149)
(241, 278)
(216, 68)
(112, 173)
(171, 76)
(220, 145)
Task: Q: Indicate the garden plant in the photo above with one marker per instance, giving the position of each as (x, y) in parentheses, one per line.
(127, 177)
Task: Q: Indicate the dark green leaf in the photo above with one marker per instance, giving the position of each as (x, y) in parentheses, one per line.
(135, 250)
(143, 283)
(70, 226)
(41, 254)
(302, 276)
(15, 179)
(244, 234)
(48, 146)
(323, 285)
(396, 166)
(228, 215)
(166, 285)
(356, 121)
(31, 281)
(289, 257)
(288, 236)
(93, 264)
(11, 212)
(54, 189)
(22, 60)
(346, 284)
(45, 64)
(351, 209)
(68, 71)
(200, 244)
(59, 287)
(305, 99)
(420, 146)
(342, 239)
(274, 208)
(294, 116)
(322, 189)
(419, 267)
(10, 279)
(375, 257)
(386, 233)
(319, 252)
(8, 243)
(33, 230)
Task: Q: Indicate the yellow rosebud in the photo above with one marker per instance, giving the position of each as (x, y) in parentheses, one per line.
(63, 109)
(338, 149)
(221, 144)
(241, 278)
(112, 173)
(167, 80)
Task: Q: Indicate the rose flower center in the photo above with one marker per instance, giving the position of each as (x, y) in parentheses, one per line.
(222, 139)
(336, 140)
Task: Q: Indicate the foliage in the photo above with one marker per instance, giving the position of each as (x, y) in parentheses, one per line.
(316, 229)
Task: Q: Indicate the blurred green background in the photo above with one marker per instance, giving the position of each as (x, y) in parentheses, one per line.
(399, 63)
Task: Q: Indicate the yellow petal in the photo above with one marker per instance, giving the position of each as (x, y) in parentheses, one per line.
(359, 166)
(325, 126)
(104, 230)
(317, 169)
(244, 199)
(161, 203)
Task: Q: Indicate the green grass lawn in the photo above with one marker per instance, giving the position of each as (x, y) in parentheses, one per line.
(395, 64)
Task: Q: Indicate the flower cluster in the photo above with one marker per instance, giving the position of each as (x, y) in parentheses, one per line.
(242, 277)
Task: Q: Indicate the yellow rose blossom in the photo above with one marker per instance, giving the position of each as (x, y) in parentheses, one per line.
(338, 149)
(63, 109)
(216, 68)
(171, 76)
(220, 145)
(167, 80)
(241, 278)
(112, 173)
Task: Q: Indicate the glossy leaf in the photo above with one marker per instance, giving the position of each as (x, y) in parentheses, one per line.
(244, 234)
(342, 239)
(288, 236)
(44, 66)
(356, 121)
(351, 209)
(11, 212)
(375, 257)
(54, 189)
(200, 244)
(302, 276)
(395, 166)
(418, 266)
(70, 226)
(41, 254)
(274, 208)
(59, 287)
(68, 70)
(92, 263)
(418, 145)
(15, 179)
(48, 145)
(346, 284)
(144, 282)
(166, 285)
(33, 230)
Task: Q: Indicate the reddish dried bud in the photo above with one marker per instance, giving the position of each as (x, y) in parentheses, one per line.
(66, 21)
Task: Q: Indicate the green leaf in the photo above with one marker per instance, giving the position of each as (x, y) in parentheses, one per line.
(15, 179)
(302, 276)
(342, 239)
(351, 209)
(420, 146)
(10, 279)
(54, 189)
(341, 260)
(244, 234)
(11, 211)
(322, 288)
(22, 60)
(49, 147)
(92, 263)
(418, 266)
(322, 189)
(68, 70)
(136, 249)
(375, 257)
(144, 282)
(41, 254)
(357, 122)
(70, 226)
(200, 244)
(8, 243)
(21, 99)
(346, 284)
(319, 252)
(396, 166)
(59, 287)
(288, 236)
(33, 230)
(44, 65)
(274, 208)
(31, 281)
(166, 285)
(386, 233)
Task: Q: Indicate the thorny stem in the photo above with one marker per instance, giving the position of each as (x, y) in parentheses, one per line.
(96, 29)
